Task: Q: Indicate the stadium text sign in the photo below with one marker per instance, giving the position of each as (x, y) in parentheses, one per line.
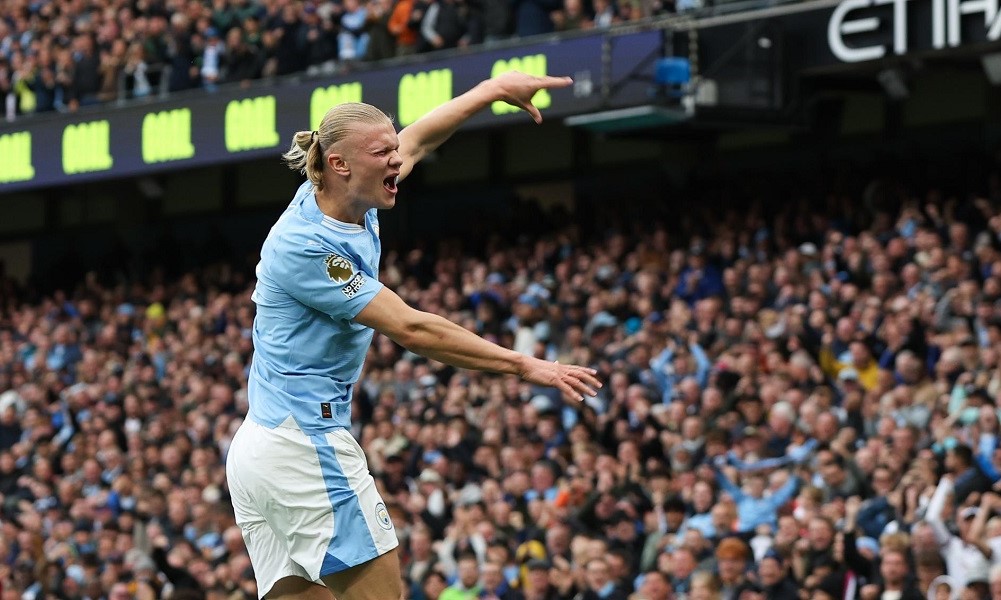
(15, 157)
(166, 135)
(534, 64)
(87, 147)
(852, 20)
(324, 98)
(420, 93)
(250, 124)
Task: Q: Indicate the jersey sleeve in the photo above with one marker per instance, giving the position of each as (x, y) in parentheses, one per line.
(329, 281)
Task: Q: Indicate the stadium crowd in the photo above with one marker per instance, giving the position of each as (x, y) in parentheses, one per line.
(57, 55)
(797, 405)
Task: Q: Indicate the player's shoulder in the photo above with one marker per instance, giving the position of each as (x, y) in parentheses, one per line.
(300, 225)
(310, 240)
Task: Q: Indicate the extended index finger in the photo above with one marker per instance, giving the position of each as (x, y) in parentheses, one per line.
(549, 81)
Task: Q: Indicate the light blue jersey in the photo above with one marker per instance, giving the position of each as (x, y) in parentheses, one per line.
(316, 274)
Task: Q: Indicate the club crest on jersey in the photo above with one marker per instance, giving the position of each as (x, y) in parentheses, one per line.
(339, 269)
(382, 516)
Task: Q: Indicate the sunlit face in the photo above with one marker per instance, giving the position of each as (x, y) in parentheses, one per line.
(371, 154)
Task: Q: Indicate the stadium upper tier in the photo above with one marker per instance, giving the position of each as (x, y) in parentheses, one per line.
(61, 55)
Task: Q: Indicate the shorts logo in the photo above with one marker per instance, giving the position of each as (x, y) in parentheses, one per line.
(339, 269)
(353, 286)
(382, 515)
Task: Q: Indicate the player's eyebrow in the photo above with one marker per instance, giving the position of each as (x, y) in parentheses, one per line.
(384, 147)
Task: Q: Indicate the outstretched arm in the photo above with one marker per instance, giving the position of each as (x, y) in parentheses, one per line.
(431, 130)
(439, 339)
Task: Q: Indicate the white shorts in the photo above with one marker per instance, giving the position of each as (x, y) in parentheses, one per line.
(307, 504)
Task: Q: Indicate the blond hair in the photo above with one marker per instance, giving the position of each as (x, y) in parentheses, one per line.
(308, 149)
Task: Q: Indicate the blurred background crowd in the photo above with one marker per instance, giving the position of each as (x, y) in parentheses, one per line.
(58, 55)
(799, 402)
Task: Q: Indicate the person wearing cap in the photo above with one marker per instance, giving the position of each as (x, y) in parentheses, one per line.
(537, 584)
(294, 466)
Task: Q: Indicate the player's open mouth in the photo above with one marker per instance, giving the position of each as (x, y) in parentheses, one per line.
(390, 184)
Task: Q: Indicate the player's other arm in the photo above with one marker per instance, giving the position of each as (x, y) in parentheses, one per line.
(431, 130)
(439, 339)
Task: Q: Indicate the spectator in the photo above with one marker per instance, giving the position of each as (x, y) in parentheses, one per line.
(753, 507)
(531, 17)
(572, 16)
(353, 39)
(213, 60)
(381, 42)
(321, 42)
(732, 556)
(118, 401)
(245, 60)
(404, 36)
(181, 54)
(893, 572)
(775, 583)
(136, 72)
(599, 584)
(494, 586)
(86, 79)
(466, 586)
(495, 16)
(692, 282)
(445, 25)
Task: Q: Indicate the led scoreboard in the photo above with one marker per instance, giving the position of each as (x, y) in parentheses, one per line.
(241, 124)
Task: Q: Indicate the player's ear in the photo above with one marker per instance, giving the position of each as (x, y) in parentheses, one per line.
(338, 163)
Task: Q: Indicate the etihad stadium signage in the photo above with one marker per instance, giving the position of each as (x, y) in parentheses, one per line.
(863, 30)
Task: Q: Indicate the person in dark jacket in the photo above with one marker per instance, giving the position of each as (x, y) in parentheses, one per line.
(495, 587)
(894, 577)
(531, 17)
(245, 61)
(775, 581)
(181, 54)
(600, 585)
(86, 71)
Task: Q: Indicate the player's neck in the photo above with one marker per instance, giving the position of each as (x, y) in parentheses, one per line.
(339, 208)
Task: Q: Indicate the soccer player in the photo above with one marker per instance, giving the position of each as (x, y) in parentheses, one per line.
(302, 493)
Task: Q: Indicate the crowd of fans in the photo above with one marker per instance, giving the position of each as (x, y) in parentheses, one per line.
(796, 405)
(57, 55)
